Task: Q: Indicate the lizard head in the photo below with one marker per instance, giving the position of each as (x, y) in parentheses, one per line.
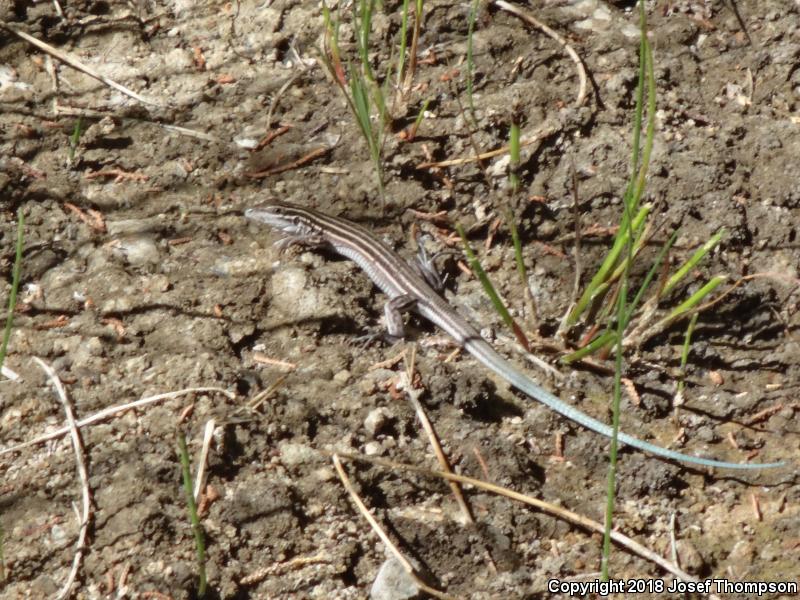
(287, 218)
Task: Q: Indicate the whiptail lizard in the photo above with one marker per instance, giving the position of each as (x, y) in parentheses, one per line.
(407, 288)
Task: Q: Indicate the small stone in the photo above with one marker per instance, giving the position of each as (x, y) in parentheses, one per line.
(742, 555)
(373, 448)
(134, 227)
(342, 376)
(137, 250)
(58, 536)
(499, 168)
(324, 474)
(296, 454)
(157, 283)
(716, 378)
(367, 386)
(690, 559)
(86, 351)
(393, 583)
(377, 420)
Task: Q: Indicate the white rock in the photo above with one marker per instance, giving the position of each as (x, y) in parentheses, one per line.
(393, 583)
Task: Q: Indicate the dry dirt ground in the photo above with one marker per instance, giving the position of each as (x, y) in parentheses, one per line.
(141, 276)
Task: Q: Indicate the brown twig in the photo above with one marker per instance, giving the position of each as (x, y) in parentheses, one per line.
(200, 478)
(268, 139)
(582, 79)
(412, 58)
(76, 64)
(118, 174)
(552, 509)
(764, 414)
(546, 130)
(93, 219)
(80, 460)
(413, 394)
(279, 568)
(292, 165)
(264, 394)
(409, 568)
(113, 411)
(263, 359)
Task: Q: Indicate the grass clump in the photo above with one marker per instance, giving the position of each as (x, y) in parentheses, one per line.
(631, 237)
(365, 95)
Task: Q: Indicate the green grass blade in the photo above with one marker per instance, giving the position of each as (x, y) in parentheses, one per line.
(601, 341)
(651, 120)
(356, 90)
(360, 96)
(635, 188)
(513, 145)
(12, 303)
(623, 312)
(361, 109)
(637, 121)
(512, 225)
(12, 297)
(604, 273)
(687, 341)
(363, 21)
(638, 228)
(415, 35)
(473, 12)
(197, 528)
(607, 338)
(331, 41)
(611, 480)
(365, 91)
(695, 299)
(412, 133)
(690, 264)
(403, 43)
(75, 138)
(651, 274)
(501, 309)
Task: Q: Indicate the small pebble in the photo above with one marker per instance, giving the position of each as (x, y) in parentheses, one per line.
(137, 251)
(393, 583)
(373, 448)
(377, 420)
